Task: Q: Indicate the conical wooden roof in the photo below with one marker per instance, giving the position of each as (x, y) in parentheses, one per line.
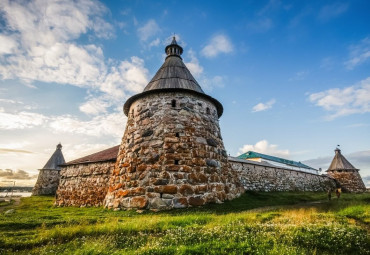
(55, 160)
(340, 162)
(173, 76)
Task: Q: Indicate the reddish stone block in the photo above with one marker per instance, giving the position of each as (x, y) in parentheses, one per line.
(186, 190)
(137, 191)
(202, 178)
(196, 201)
(172, 168)
(186, 169)
(122, 193)
(169, 189)
(138, 202)
(119, 185)
(141, 167)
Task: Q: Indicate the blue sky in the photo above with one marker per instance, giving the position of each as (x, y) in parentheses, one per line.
(293, 76)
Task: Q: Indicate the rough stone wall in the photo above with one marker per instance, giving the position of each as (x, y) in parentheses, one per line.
(171, 156)
(84, 184)
(257, 177)
(349, 180)
(47, 182)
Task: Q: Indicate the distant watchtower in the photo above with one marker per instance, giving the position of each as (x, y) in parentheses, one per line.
(48, 179)
(172, 154)
(345, 173)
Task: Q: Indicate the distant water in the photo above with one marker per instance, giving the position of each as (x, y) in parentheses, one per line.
(21, 194)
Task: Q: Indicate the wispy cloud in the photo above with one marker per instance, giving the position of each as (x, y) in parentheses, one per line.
(9, 174)
(346, 101)
(195, 68)
(358, 53)
(218, 44)
(110, 124)
(4, 150)
(260, 24)
(331, 11)
(264, 147)
(148, 30)
(299, 76)
(263, 106)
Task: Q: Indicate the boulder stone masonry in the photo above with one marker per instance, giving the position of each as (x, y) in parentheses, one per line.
(47, 182)
(171, 156)
(256, 176)
(84, 184)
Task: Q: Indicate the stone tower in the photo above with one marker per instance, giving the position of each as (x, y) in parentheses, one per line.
(345, 173)
(172, 154)
(48, 179)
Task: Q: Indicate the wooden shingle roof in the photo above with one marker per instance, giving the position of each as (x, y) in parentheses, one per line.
(101, 156)
(340, 162)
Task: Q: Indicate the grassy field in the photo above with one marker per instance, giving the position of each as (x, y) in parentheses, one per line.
(256, 223)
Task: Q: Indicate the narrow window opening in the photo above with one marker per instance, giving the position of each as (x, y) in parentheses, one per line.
(161, 194)
(176, 161)
(207, 110)
(177, 134)
(128, 140)
(173, 103)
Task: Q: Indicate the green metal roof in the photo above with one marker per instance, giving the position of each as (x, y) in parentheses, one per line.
(252, 154)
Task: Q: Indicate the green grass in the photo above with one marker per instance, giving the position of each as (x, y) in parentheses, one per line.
(256, 223)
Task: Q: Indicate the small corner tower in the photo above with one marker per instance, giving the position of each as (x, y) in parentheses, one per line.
(48, 179)
(345, 173)
(172, 154)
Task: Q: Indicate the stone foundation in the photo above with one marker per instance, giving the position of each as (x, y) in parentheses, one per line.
(255, 176)
(349, 180)
(47, 182)
(84, 184)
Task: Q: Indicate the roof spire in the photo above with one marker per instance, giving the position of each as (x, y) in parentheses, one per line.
(173, 49)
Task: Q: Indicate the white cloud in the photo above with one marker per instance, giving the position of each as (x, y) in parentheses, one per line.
(8, 45)
(110, 124)
(359, 53)
(94, 106)
(155, 42)
(193, 65)
(264, 147)
(209, 83)
(332, 11)
(345, 101)
(40, 45)
(129, 76)
(263, 106)
(21, 120)
(149, 30)
(218, 44)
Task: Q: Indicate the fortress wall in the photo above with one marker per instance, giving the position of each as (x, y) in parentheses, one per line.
(84, 184)
(258, 177)
(47, 182)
